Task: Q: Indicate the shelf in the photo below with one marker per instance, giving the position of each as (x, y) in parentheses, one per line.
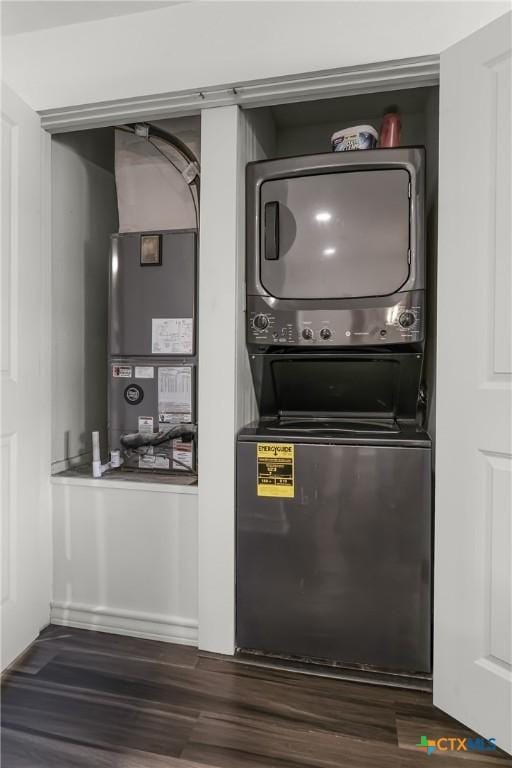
(81, 476)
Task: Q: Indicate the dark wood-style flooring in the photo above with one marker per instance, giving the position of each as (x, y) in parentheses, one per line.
(83, 699)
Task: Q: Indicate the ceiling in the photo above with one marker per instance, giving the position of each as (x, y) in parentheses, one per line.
(19, 16)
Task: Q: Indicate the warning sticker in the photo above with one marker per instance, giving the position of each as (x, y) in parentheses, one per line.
(144, 372)
(145, 424)
(149, 461)
(122, 371)
(182, 455)
(275, 470)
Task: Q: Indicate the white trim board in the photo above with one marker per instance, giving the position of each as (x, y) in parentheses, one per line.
(149, 626)
(368, 78)
(124, 485)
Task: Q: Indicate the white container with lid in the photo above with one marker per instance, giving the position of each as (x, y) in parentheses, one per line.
(355, 137)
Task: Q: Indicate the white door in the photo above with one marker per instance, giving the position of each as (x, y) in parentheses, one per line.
(473, 567)
(25, 574)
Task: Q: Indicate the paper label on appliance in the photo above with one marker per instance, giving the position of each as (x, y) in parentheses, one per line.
(149, 461)
(146, 462)
(146, 424)
(122, 371)
(172, 336)
(174, 394)
(275, 470)
(182, 455)
(174, 418)
(144, 372)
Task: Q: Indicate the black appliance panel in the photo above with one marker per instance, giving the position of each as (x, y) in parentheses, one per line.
(382, 384)
(336, 386)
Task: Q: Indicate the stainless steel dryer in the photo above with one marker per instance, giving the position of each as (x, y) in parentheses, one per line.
(336, 249)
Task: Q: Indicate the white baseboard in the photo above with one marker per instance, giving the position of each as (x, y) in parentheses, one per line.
(169, 629)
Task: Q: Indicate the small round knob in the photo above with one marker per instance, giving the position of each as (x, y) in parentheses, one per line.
(260, 322)
(406, 319)
(325, 333)
(307, 333)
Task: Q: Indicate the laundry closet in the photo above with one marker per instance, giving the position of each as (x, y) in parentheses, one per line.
(150, 541)
(92, 369)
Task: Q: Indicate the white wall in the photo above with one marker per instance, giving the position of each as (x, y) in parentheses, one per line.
(230, 138)
(193, 45)
(125, 558)
(217, 376)
(84, 215)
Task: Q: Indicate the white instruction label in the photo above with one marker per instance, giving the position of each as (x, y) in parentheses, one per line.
(146, 424)
(182, 454)
(153, 462)
(174, 394)
(144, 372)
(174, 418)
(172, 336)
(122, 371)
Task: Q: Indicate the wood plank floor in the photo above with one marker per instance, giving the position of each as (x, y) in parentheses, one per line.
(83, 699)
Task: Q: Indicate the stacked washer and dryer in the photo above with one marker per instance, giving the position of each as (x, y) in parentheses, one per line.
(334, 508)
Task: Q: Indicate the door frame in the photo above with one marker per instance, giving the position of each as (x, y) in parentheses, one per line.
(38, 464)
(398, 74)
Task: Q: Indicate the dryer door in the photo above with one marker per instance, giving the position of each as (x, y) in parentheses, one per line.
(335, 235)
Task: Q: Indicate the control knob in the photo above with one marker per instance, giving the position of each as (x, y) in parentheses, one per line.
(307, 333)
(407, 319)
(325, 333)
(260, 322)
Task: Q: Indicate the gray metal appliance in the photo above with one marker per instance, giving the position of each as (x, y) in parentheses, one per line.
(152, 347)
(334, 481)
(149, 396)
(153, 279)
(340, 570)
(335, 249)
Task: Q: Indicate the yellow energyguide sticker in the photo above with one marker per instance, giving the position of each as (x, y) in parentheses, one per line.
(275, 470)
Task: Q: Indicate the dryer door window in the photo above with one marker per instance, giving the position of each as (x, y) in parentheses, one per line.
(335, 235)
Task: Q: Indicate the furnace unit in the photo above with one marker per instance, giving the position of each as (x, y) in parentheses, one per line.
(152, 346)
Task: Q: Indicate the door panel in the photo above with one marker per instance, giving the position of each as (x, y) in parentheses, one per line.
(142, 294)
(325, 247)
(473, 606)
(25, 564)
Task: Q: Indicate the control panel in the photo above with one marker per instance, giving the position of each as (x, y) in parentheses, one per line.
(401, 322)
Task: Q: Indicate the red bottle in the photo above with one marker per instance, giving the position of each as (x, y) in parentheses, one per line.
(390, 130)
